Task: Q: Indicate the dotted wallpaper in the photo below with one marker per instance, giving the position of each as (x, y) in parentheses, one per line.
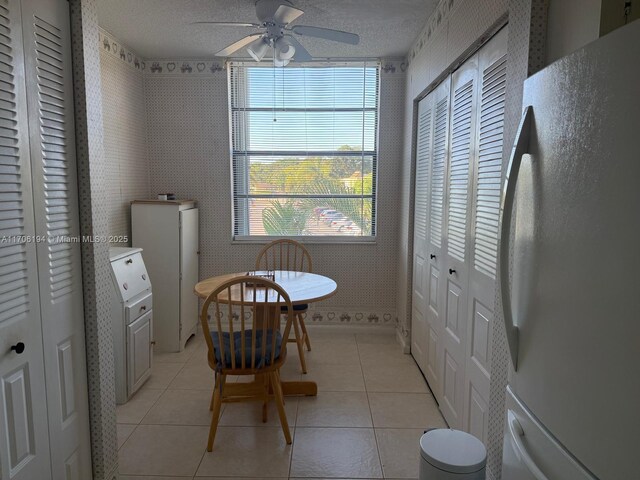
(125, 132)
(92, 174)
(457, 28)
(188, 136)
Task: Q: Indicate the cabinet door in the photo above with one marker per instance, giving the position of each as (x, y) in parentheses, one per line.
(419, 327)
(47, 49)
(457, 239)
(485, 213)
(189, 256)
(24, 439)
(436, 213)
(139, 352)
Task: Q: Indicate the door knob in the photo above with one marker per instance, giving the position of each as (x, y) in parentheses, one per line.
(451, 271)
(18, 348)
(432, 256)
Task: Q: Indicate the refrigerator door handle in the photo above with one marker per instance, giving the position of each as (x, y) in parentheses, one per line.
(520, 147)
(516, 433)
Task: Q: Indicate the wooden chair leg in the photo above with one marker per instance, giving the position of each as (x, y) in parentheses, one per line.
(299, 344)
(279, 397)
(304, 332)
(217, 403)
(213, 396)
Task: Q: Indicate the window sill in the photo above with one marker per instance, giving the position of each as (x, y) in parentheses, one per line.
(305, 240)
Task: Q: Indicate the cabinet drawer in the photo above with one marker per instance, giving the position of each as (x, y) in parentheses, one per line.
(138, 308)
(131, 275)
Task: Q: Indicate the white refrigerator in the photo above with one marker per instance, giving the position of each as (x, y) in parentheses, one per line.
(572, 308)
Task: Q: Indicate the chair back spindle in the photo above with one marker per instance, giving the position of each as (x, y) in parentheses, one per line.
(284, 254)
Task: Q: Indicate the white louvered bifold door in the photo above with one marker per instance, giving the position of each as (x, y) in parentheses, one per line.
(456, 238)
(483, 247)
(419, 326)
(50, 100)
(435, 225)
(24, 438)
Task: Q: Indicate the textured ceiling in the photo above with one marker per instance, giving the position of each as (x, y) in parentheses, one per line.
(160, 28)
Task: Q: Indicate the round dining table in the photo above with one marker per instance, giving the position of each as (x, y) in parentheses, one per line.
(302, 288)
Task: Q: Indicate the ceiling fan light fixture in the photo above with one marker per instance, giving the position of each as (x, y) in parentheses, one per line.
(278, 62)
(258, 49)
(284, 49)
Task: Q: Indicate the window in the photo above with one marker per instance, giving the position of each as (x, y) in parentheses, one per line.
(304, 156)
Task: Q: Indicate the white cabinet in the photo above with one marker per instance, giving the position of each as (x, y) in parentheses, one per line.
(457, 197)
(44, 422)
(168, 232)
(132, 320)
(139, 351)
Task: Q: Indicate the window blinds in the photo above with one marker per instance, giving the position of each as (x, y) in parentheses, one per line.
(304, 149)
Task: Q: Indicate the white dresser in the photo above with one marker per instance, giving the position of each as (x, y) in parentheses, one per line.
(167, 231)
(132, 320)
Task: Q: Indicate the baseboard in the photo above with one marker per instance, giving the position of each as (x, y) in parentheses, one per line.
(403, 341)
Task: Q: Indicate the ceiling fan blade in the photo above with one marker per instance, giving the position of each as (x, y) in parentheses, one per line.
(234, 47)
(326, 33)
(286, 14)
(301, 54)
(227, 24)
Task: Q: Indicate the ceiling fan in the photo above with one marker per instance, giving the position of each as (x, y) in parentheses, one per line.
(275, 33)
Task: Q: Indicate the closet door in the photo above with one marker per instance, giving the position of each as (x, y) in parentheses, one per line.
(484, 232)
(436, 215)
(47, 49)
(24, 440)
(456, 252)
(419, 326)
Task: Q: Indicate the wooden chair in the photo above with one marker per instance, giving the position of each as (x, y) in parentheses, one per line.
(246, 346)
(285, 254)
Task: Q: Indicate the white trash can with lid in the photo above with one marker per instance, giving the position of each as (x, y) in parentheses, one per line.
(451, 455)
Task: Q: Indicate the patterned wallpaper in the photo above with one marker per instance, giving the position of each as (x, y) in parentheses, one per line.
(188, 132)
(94, 220)
(456, 28)
(125, 132)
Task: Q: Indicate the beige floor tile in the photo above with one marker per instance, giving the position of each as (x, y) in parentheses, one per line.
(154, 477)
(194, 377)
(337, 378)
(199, 356)
(191, 347)
(237, 478)
(334, 409)
(399, 451)
(394, 378)
(248, 414)
(333, 334)
(383, 354)
(335, 452)
(327, 353)
(162, 374)
(123, 432)
(291, 369)
(248, 452)
(386, 336)
(163, 450)
(135, 409)
(405, 410)
(180, 407)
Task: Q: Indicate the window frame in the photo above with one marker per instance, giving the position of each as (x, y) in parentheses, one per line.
(308, 239)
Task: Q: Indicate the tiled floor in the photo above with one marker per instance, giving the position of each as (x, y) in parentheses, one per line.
(372, 406)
